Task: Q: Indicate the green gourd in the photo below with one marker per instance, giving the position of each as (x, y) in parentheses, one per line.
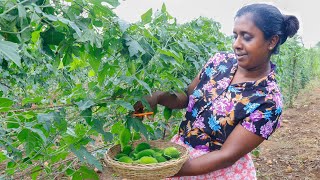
(171, 152)
(125, 159)
(142, 146)
(147, 160)
(146, 152)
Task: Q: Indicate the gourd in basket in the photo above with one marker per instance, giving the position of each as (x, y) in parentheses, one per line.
(147, 160)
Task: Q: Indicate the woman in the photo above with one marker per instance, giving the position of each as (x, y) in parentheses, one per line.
(234, 103)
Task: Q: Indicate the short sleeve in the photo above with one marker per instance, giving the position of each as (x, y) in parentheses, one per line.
(264, 120)
(213, 62)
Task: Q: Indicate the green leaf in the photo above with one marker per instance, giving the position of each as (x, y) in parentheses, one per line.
(134, 47)
(125, 137)
(81, 130)
(85, 156)
(11, 166)
(39, 132)
(3, 157)
(132, 67)
(55, 119)
(145, 85)
(22, 11)
(114, 3)
(108, 70)
(148, 34)
(147, 16)
(137, 126)
(124, 104)
(108, 137)
(191, 45)
(87, 115)
(167, 113)
(36, 171)
(123, 25)
(256, 152)
(5, 102)
(31, 140)
(117, 128)
(102, 10)
(84, 173)
(98, 126)
(85, 104)
(52, 36)
(91, 73)
(173, 54)
(69, 171)
(92, 37)
(95, 63)
(97, 23)
(35, 36)
(10, 51)
(163, 8)
(31, 100)
(77, 64)
(61, 19)
(13, 123)
(58, 157)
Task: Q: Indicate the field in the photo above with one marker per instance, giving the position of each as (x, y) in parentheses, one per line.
(293, 152)
(71, 72)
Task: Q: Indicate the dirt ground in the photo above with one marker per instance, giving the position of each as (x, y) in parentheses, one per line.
(293, 152)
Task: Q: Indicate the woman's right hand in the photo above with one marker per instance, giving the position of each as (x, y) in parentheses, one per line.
(152, 100)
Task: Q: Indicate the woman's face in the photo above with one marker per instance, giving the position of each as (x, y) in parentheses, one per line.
(250, 47)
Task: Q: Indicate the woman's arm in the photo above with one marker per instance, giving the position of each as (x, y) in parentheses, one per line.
(239, 143)
(172, 100)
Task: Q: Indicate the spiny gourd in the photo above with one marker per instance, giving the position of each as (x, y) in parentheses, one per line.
(125, 159)
(143, 153)
(146, 152)
(127, 149)
(157, 150)
(147, 160)
(160, 159)
(119, 155)
(142, 146)
(171, 152)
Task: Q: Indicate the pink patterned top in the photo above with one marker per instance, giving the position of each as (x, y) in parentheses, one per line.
(215, 107)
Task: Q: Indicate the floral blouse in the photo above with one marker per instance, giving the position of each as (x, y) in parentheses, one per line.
(216, 106)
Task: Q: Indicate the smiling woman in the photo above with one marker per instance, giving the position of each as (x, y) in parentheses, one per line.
(234, 103)
(259, 30)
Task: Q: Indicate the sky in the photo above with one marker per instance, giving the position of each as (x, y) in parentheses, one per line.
(223, 11)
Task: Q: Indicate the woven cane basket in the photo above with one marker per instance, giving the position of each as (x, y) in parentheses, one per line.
(136, 171)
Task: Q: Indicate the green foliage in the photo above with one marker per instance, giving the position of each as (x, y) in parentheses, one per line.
(296, 66)
(85, 173)
(70, 74)
(167, 113)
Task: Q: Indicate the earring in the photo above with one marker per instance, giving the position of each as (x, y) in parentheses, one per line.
(270, 47)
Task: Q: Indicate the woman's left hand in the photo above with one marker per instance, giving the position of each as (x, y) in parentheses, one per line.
(185, 169)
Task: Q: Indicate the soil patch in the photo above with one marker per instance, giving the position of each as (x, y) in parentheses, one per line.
(293, 152)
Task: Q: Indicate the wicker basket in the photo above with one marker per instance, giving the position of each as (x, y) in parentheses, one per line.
(147, 171)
